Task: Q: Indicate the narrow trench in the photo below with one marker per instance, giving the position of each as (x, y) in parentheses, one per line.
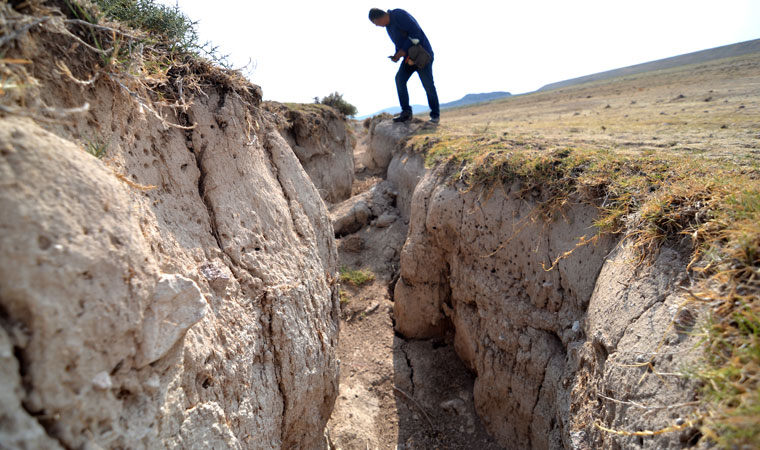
(394, 393)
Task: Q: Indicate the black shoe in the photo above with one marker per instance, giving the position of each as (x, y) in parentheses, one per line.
(403, 117)
(435, 120)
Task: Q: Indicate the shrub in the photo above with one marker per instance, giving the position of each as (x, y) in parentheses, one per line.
(167, 23)
(166, 27)
(336, 101)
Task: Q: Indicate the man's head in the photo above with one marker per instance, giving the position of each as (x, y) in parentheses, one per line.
(379, 17)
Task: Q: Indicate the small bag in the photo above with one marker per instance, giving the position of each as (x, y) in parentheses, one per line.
(419, 55)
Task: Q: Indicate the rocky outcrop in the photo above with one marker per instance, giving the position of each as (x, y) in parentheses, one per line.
(180, 292)
(320, 138)
(559, 354)
(386, 141)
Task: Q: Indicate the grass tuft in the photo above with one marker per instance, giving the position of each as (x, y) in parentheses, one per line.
(97, 147)
(356, 277)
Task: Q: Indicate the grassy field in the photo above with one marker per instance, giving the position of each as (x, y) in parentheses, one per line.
(670, 157)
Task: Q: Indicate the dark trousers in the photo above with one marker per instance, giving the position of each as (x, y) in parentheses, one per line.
(426, 76)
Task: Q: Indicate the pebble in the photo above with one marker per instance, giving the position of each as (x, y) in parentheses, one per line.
(372, 308)
(102, 380)
(385, 220)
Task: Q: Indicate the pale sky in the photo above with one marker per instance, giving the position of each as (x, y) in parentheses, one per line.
(302, 49)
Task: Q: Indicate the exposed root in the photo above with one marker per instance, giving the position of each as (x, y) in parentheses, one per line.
(65, 71)
(146, 104)
(681, 424)
(649, 407)
(39, 113)
(132, 184)
(582, 242)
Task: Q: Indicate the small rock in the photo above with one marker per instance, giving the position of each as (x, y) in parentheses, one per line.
(102, 381)
(177, 305)
(153, 383)
(215, 276)
(372, 308)
(389, 253)
(385, 220)
(350, 217)
(455, 406)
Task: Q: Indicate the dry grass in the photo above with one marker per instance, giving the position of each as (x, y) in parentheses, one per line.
(670, 158)
(159, 76)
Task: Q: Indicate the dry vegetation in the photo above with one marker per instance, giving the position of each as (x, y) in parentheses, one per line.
(670, 158)
(148, 51)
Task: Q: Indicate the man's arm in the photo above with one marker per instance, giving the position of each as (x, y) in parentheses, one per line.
(406, 22)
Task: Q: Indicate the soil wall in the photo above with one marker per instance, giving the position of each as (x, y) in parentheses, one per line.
(179, 292)
(320, 138)
(559, 354)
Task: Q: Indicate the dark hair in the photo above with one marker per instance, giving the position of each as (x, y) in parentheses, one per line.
(376, 13)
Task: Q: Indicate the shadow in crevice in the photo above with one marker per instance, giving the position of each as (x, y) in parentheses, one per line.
(434, 398)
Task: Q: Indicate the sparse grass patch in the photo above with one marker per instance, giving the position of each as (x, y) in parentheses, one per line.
(97, 146)
(730, 377)
(355, 277)
(317, 108)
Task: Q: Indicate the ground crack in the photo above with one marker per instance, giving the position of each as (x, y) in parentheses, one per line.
(185, 119)
(411, 368)
(267, 303)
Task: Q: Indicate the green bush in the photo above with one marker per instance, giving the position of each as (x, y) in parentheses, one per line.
(166, 23)
(336, 101)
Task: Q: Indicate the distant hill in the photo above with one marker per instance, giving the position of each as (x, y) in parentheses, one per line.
(725, 51)
(468, 99)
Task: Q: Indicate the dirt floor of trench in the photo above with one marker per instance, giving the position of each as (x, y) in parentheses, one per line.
(394, 393)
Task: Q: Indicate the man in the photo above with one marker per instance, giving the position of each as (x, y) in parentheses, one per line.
(406, 34)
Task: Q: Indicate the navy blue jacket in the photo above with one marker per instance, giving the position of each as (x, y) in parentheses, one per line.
(402, 27)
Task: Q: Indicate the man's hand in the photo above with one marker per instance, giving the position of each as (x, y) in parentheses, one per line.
(399, 54)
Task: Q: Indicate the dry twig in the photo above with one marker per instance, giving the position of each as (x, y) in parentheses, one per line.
(410, 398)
